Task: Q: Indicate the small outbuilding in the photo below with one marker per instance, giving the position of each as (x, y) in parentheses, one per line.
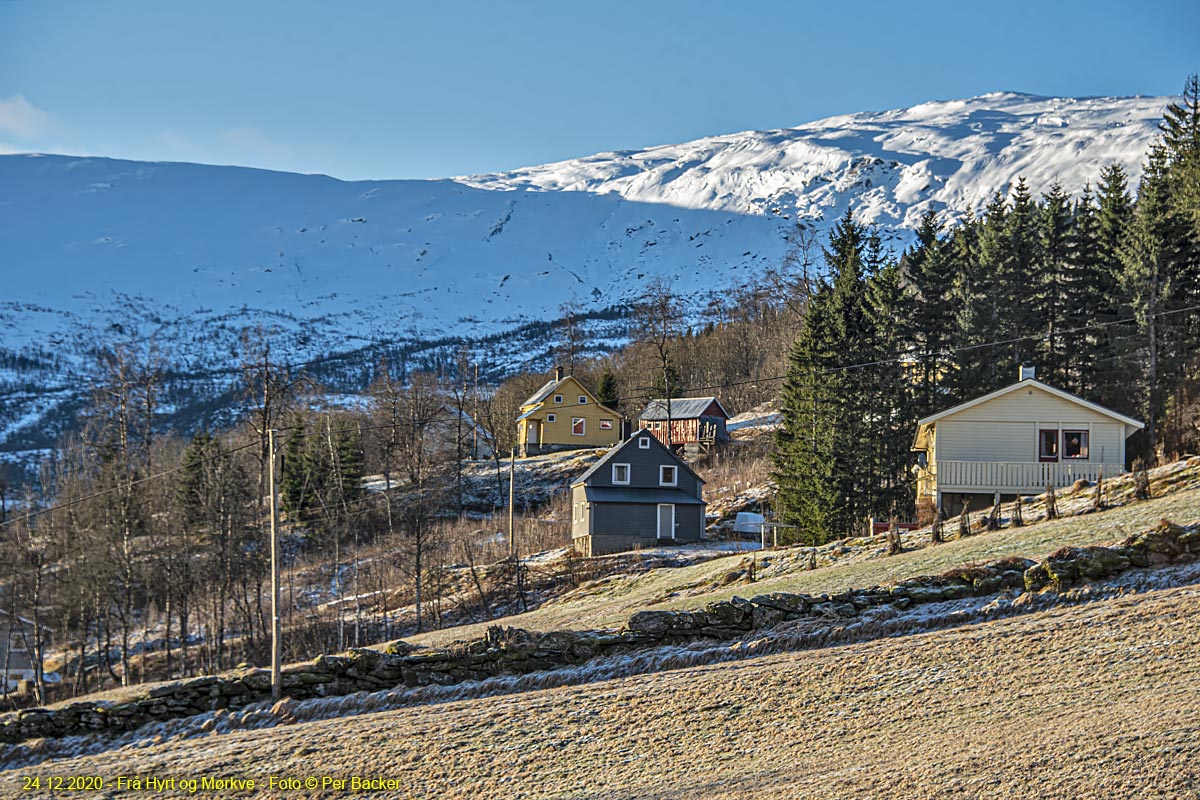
(20, 651)
(686, 421)
(639, 494)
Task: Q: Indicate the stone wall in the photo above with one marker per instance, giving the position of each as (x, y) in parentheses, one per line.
(509, 651)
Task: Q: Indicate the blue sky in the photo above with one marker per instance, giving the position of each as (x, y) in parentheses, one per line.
(374, 89)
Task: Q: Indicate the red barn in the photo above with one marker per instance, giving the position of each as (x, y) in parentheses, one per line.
(693, 420)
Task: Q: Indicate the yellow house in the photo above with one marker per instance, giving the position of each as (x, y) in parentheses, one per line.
(1016, 441)
(562, 415)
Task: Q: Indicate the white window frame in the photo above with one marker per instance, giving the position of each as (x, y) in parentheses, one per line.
(662, 481)
(582, 426)
(628, 474)
(1086, 440)
(644, 443)
(658, 520)
(606, 422)
(551, 418)
(583, 399)
(558, 399)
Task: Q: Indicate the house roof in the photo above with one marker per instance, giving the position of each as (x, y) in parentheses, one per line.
(549, 388)
(628, 494)
(681, 408)
(467, 419)
(924, 423)
(27, 621)
(544, 392)
(615, 451)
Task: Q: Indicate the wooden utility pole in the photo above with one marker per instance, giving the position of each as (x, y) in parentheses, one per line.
(512, 482)
(275, 630)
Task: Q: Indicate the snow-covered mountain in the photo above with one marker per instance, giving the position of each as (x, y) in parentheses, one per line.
(191, 254)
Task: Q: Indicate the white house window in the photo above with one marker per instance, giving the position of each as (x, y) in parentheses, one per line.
(644, 443)
(551, 417)
(1074, 444)
(578, 426)
(621, 474)
(606, 424)
(583, 399)
(668, 475)
(1048, 444)
(558, 399)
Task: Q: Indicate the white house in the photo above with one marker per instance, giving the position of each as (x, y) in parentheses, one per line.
(1016, 441)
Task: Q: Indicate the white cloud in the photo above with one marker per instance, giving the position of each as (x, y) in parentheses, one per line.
(21, 119)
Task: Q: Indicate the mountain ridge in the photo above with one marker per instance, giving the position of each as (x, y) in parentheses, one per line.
(188, 255)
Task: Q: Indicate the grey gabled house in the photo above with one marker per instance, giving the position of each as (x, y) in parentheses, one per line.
(637, 494)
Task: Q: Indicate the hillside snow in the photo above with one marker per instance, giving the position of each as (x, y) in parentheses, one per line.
(191, 254)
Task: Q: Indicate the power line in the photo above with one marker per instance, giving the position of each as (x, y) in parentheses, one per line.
(646, 394)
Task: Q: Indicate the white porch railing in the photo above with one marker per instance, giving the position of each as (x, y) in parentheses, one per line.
(1017, 476)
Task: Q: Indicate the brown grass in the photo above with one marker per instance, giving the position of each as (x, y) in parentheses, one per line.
(692, 587)
(1094, 701)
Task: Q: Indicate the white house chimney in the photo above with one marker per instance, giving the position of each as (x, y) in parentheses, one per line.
(558, 376)
(1027, 373)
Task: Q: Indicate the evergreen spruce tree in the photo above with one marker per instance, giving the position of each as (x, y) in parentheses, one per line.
(297, 476)
(1181, 142)
(929, 268)
(191, 487)
(1156, 254)
(606, 393)
(978, 250)
(824, 457)
(890, 395)
(1115, 366)
(1047, 299)
(1089, 294)
(1019, 271)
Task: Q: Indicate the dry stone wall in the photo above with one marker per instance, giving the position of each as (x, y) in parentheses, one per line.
(510, 651)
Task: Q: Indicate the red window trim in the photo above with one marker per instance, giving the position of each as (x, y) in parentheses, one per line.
(1042, 457)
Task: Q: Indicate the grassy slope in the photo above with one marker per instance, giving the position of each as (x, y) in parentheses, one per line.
(612, 604)
(1087, 701)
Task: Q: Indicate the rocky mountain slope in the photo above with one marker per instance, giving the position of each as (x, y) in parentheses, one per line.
(343, 271)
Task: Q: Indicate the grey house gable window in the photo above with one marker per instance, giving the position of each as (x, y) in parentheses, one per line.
(644, 443)
(620, 475)
(668, 475)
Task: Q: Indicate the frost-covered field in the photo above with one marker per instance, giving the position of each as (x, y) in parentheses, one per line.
(1094, 699)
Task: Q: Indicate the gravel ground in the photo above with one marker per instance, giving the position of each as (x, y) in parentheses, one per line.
(1096, 700)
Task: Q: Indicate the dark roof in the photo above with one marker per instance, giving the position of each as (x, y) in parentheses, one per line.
(681, 408)
(631, 494)
(544, 392)
(612, 453)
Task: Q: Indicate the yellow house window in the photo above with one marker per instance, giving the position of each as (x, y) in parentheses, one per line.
(583, 399)
(558, 399)
(578, 426)
(551, 417)
(606, 425)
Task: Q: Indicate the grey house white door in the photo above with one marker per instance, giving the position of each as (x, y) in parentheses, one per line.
(666, 521)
